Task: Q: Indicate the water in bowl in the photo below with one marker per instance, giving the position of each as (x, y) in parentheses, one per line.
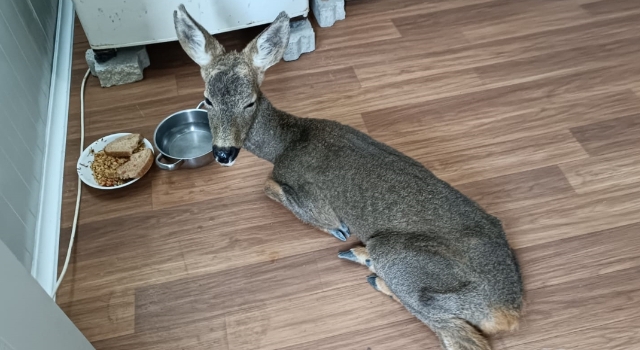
(189, 140)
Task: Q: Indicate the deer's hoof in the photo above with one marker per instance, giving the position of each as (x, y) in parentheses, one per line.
(372, 281)
(348, 255)
(341, 233)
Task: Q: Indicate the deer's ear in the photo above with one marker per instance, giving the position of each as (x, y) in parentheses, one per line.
(201, 46)
(269, 47)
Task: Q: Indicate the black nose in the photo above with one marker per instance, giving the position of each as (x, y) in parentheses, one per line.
(225, 155)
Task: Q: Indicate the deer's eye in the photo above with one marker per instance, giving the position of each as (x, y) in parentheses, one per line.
(207, 102)
(250, 105)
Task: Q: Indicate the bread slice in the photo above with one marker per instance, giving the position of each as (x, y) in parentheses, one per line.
(123, 146)
(137, 166)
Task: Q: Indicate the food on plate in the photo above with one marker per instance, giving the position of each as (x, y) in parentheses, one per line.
(123, 146)
(138, 165)
(104, 169)
(122, 160)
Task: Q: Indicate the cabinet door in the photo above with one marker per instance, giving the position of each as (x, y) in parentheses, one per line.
(29, 318)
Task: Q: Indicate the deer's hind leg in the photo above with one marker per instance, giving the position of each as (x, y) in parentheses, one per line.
(380, 285)
(358, 255)
(361, 256)
(308, 208)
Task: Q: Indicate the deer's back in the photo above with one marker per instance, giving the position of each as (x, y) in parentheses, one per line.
(371, 186)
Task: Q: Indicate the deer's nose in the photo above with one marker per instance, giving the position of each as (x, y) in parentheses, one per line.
(225, 155)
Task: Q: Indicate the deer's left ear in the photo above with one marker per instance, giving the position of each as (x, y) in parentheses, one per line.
(201, 46)
(269, 47)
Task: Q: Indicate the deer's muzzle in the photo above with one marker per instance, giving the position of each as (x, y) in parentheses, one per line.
(225, 155)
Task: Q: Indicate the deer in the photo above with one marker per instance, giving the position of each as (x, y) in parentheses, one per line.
(426, 245)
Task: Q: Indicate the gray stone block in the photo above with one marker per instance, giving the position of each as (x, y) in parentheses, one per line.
(301, 40)
(327, 12)
(125, 68)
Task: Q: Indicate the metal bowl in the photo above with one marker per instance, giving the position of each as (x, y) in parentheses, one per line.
(184, 140)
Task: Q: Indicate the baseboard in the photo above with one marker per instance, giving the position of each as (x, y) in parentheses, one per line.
(45, 257)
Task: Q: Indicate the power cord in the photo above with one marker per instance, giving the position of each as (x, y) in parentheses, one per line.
(77, 210)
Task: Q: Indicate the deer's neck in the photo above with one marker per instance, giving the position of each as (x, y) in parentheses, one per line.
(272, 131)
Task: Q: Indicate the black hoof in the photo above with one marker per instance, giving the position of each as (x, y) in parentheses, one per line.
(341, 233)
(348, 255)
(372, 281)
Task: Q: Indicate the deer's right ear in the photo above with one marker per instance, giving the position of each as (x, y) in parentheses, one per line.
(201, 46)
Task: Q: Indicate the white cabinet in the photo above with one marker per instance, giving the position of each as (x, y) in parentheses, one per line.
(121, 23)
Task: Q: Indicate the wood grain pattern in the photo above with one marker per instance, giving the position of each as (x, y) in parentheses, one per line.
(553, 98)
(586, 256)
(206, 335)
(611, 7)
(520, 189)
(95, 277)
(143, 114)
(180, 302)
(160, 86)
(620, 335)
(105, 316)
(508, 19)
(474, 55)
(371, 10)
(376, 97)
(609, 136)
(530, 107)
(314, 84)
(440, 127)
(562, 62)
(208, 182)
(603, 172)
(575, 305)
(407, 334)
(267, 242)
(483, 162)
(299, 320)
(572, 216)
(99, 204)
(347, 33)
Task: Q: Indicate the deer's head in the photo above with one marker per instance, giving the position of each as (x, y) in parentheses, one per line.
(232, 79)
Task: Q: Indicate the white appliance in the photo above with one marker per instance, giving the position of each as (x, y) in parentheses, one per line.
(121, 23)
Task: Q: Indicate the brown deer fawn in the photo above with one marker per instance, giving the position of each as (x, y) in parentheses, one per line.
(428, 246)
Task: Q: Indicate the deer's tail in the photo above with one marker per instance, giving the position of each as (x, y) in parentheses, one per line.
(458, 334)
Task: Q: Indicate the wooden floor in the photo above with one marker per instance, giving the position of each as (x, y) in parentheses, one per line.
(530, 107)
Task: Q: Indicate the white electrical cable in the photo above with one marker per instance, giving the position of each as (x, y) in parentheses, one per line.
(75, 215)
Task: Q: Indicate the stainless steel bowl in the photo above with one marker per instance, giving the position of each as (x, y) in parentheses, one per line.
(184, 140)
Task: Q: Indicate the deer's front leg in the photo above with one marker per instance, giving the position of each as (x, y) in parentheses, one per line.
(308, 208)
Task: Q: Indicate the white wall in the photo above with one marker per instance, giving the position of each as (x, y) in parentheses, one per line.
(27, 32)
(29, 318)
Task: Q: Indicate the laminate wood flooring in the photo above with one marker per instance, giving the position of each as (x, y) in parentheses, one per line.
(530, 107)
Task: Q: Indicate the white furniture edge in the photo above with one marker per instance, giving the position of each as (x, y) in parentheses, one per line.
(45, 257)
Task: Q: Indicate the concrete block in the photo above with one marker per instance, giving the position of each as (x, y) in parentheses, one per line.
(327, 12)
(126, 67)
(302, 39)
(91, 62)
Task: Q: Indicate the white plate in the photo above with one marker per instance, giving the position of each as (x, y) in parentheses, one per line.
(86, 158)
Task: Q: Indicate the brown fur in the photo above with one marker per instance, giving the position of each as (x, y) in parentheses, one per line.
(273, 190)
(501, 320)
(361, 253)
(460, 335)
(384, 289)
